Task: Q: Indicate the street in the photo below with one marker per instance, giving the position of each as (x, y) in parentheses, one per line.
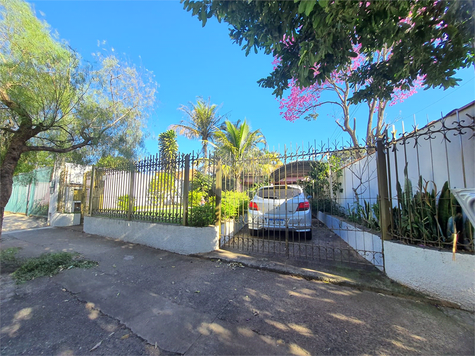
(139, 300)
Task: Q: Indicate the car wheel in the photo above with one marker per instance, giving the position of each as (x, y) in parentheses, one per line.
(308, 235)
(253, 232)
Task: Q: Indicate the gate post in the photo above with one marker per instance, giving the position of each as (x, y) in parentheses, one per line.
(384, 208)
(219, 187)
(186, 186)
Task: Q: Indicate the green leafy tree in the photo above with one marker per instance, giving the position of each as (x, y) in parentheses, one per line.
(202, 183)
(50, 100)
(114, 162)
(235, 145)
(201, 123)
(168, 148)
(428, 38)
(29, 161)
(162, 188)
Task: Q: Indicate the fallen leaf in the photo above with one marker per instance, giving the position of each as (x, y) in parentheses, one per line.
(126, 336)
(96, 346)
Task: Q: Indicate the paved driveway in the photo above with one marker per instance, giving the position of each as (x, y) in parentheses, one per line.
(139, 300)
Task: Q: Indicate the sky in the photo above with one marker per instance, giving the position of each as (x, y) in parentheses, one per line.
(191, 61)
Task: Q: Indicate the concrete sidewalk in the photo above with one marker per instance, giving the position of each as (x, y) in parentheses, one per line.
(216, 304)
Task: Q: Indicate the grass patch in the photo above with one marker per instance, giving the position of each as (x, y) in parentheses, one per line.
(9, 262)
(47, 264)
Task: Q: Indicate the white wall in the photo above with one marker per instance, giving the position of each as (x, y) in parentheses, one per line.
(184, 240)
(117, 183)
(433, 272)
(67, 219)
(367, 245)
(436, 159)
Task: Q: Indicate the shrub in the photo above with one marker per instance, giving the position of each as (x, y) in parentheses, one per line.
(194, 197)
(201, 216)
(162, 187)
(326, 205)
(123, 202)
(234, 203)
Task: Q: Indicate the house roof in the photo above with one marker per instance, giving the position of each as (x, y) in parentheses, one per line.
(292, 172)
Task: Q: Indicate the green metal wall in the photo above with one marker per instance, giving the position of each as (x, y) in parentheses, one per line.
(30, 193)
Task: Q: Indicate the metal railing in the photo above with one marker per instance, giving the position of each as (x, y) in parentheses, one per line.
(422, 168)
(153, 189)
(399, 189)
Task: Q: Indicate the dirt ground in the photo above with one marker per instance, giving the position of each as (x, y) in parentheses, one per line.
(13, 222)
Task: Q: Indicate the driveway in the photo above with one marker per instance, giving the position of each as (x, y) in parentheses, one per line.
(140, 300)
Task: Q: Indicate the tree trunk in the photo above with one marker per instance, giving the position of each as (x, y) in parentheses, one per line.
(15, 149)
(205, 154)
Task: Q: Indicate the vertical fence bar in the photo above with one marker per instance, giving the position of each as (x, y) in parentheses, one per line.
(186, 186)
(219, 187)
(286, 220)
(383, 189)
(461, 151)
(131, 194)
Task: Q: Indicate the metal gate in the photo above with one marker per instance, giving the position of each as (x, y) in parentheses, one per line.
(31, 193)
(291, 205)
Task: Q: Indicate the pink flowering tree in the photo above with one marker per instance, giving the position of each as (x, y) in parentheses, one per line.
(305, 102)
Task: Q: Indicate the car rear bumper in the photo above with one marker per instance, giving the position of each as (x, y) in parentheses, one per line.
(298, 224)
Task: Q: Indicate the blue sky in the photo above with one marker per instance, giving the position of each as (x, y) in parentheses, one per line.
(189, 61)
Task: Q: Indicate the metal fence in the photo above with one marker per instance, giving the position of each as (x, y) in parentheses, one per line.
(154, 189)
(401, 189)
(425, 171)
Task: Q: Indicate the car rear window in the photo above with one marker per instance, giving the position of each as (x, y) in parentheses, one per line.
(278, 192)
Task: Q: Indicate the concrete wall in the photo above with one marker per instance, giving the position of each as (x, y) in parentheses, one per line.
(69, 219)
(230, 227)
(366, 244)
(433, 272)
(184, 240)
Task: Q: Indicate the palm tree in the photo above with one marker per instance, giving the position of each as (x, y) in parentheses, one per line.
(236, 143)
(201, 123)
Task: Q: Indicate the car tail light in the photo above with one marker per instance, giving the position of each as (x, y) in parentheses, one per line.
(253, 206)
(303, 206)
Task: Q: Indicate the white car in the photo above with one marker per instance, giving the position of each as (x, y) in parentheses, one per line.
(280, 207)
